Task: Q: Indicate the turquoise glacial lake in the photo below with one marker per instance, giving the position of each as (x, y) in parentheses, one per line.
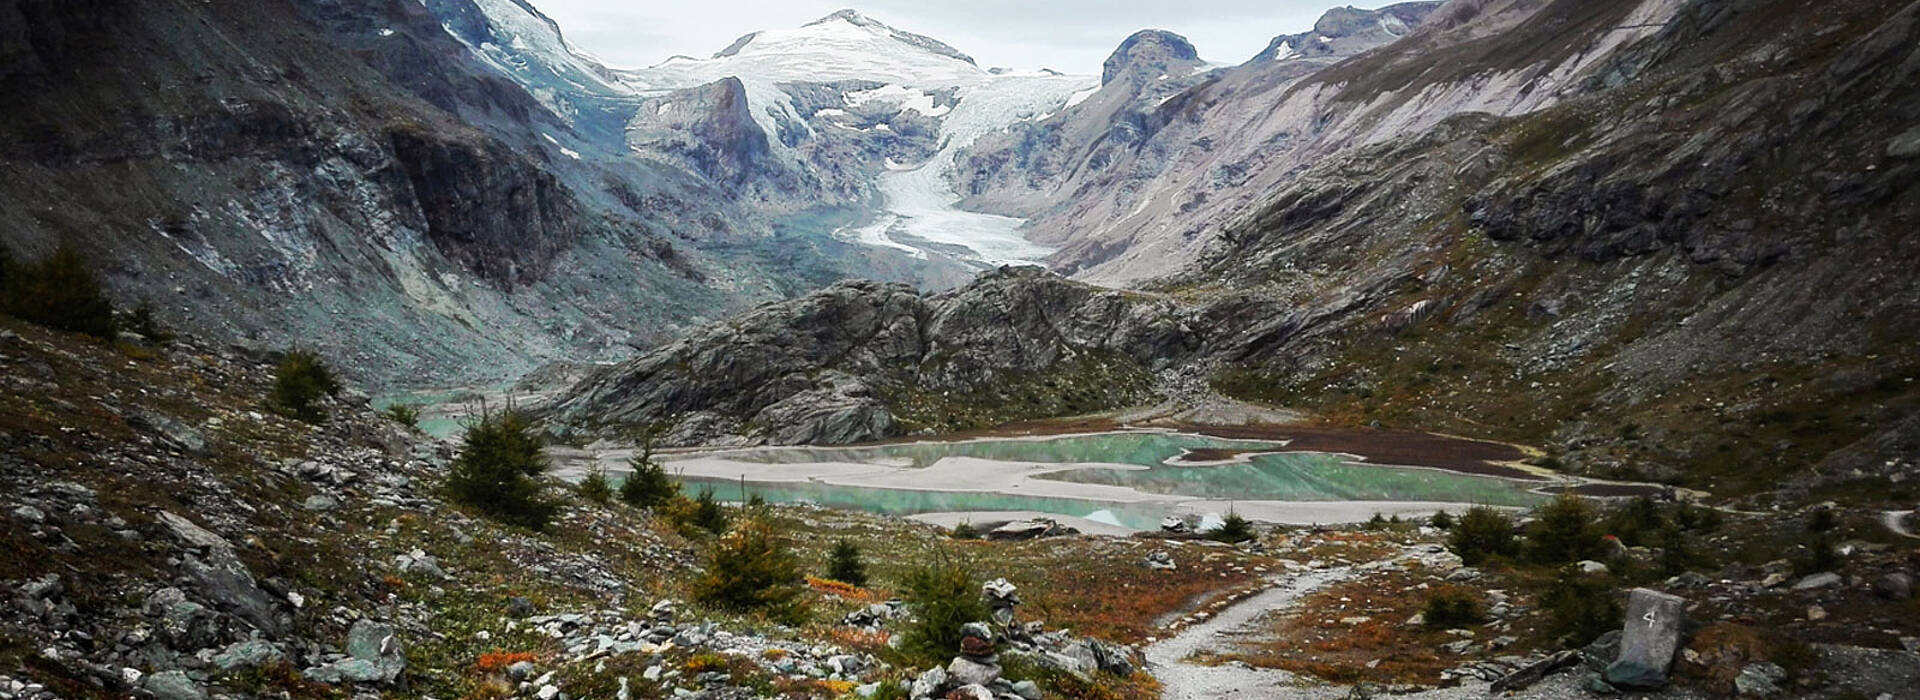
(1089, 459)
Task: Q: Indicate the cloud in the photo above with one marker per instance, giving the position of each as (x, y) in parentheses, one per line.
(1068, 35)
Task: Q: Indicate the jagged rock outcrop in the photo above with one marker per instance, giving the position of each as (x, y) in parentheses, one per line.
(864, 360)
(710, 127)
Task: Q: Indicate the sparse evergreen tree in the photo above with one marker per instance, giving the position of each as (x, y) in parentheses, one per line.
(498, 472)
(60, 292)
(944, 595)
(1563, 531)
(964, 531)
(1481, 534)
(299, 383)
(1233, 529)
(595, 487)
(1581, 606)
(648, 485)
(846, 566)
(708, 514)
(1442, 520)
(1377, 522)
(751, 569)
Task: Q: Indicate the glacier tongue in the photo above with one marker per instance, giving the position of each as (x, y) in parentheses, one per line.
(919, 211)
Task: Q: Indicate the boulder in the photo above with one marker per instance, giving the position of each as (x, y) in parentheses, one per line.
(966, 670)
(1160, 561)
(1024, 530)
(174, 685)
(374, 655)
(1817, 581)
(929, 682)
(1173, 524)
(220, 576)
(1894, 586)
(419, 563)
(1648, 640)
(976, 640)
(970, 692)
(1589, 566)
(1761, 680)
(252, 653)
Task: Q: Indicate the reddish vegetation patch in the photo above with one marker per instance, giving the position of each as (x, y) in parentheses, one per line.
(1358, 631)
(1111, 594)
(1382, 446)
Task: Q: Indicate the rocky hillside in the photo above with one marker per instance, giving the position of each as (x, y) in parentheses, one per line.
(863, 360)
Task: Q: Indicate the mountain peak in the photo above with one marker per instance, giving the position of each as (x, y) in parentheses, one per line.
(845, 29)
(1150, 52)
(850, 16)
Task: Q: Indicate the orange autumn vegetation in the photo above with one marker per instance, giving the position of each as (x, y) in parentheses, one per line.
(496, 661)
(836, 588)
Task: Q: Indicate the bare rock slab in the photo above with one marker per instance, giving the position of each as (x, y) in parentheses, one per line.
(1649, 639)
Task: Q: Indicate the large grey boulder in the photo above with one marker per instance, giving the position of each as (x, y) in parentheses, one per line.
(252, 653)
(174, 685)
(970, 671)
(1648, 640)
(218, 574)
(374, 655)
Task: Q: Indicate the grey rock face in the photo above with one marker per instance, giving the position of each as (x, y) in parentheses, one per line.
(1649, 639)
(218, 574)
(849, 362)
(252, 653)
(967, 671)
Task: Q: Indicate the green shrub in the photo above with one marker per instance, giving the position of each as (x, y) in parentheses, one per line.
(59, 291)
(299, 383)
(647, 485)
(1233, 529)
(944, 595)
(1581, 607)
(1448, 608)
(1442, 520)
(964, 531)
(1637, 522)
(751, 569)
(406, 415)
(1481, 534)
(1564, 531)
(595, 486)
(498, 472)
(846, 565)
(1377, 522)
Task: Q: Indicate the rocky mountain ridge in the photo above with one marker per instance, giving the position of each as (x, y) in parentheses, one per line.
(1616, 270)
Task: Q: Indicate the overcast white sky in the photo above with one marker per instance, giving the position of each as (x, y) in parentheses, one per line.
(1072, 36)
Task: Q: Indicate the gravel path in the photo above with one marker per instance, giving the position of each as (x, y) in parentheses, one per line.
(1181, 679)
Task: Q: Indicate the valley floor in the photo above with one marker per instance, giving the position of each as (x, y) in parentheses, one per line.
(164, 534)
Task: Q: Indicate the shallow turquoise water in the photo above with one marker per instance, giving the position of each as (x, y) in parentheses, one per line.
(1139, 516)
(1297, 476)
(1142, 448)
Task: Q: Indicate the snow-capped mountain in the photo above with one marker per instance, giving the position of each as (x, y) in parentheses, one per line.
(844, 111)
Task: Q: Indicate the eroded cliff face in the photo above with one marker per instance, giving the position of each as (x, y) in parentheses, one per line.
(335, 174)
